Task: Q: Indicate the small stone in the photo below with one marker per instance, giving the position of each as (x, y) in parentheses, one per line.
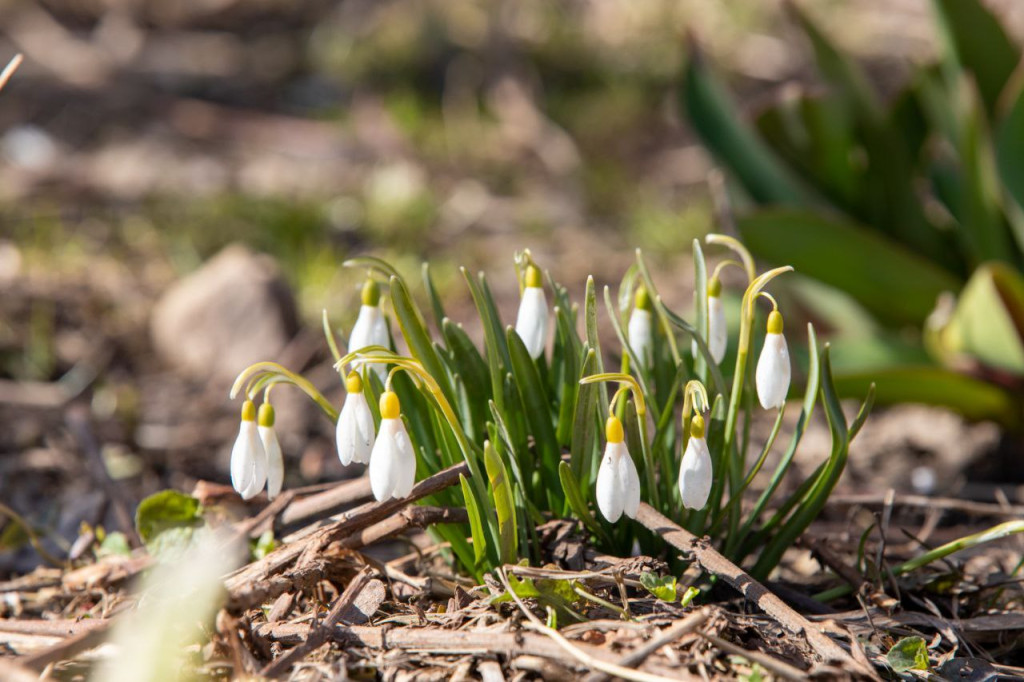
(232, 312)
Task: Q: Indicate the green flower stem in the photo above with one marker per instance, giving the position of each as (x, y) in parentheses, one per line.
(330, 338)
(254, 374)
(995, 533)
(733, 463)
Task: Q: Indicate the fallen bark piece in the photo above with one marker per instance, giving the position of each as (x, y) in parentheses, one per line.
(713, 562)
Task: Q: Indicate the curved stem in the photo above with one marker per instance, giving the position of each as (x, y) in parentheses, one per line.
(251, 376)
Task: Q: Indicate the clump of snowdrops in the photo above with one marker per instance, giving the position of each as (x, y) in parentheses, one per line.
(548, 431)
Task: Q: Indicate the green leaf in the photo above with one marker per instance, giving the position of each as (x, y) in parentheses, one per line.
(1009, 146)
(435, 300)
(503, 504)
(973, 398)
(166, 510)
(476, 523)
(662, 587)
(571, 487)
(538, 414)
(976, 42)
(494, 339)
(263, 546)
(894, 283)
(415, 332)
(585, 422)
(988, 322)
(715, 118)
(114, 544)
(910, 653)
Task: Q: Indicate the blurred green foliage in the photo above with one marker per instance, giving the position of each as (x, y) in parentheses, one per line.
(900, 205)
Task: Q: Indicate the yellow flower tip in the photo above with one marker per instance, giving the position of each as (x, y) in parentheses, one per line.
(533, 277)
(371, 293)
(353, 382)
(266, 415)
(613, 430)
(714, 287)
(643, 299)
(248, 411)
(775, 322)
(389, 405)
(697, 427)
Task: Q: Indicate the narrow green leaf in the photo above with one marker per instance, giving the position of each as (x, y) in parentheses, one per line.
(535, 407)
(976, 42)
(416, 336)
(503, 504)
(902, 287)
(715, 118)
(475, 522)
(571, 488)
(435, 300)
(494, 338)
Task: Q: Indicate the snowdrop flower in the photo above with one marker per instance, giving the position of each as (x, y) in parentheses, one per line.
(772, 378)
(532, 321)
(618, 484)
(275, 460)
(370, 329)
(639, 328)
(718, 330)
(695, 469)
(392, 461)
(248, 458)
(355, 424)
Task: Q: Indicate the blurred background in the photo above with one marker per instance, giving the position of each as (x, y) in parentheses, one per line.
(181, 180)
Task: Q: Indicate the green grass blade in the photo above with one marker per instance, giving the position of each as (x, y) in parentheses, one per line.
(475, 523)
(415, 332)
(435, 300)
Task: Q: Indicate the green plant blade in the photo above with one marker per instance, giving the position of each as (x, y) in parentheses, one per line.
(716, 120)
(973, 398)
(976, 42)
(476, 523)
(571, 488)
(415, 332)
(503, 504)
(894, 283)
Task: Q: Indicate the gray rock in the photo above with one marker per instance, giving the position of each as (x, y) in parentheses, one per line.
(233, 311)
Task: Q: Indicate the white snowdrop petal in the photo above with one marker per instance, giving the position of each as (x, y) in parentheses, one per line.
(370, 329)
(383, 461)
(639, 334)
(241, 458)
(275, 461)
(405, 462)
(718, 331)
(532, 320)
(248, 461)
(695, 474)
(629, 482)
(608, 494)
(354, 433)
(773, 372)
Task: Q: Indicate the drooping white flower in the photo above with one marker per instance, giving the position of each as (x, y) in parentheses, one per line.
(640, 327)
(248, 458)
(532, 320)
(392, 461)
(695, 473)
(773, 371)
(618, 484)
(718, 330)
(370, 329)
(275, 458)
(355, 434)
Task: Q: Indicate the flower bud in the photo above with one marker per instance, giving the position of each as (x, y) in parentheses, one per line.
(640, 328)
(532, 320)
(275, 458)
(355, 431)
(248, 458)
(370, 329)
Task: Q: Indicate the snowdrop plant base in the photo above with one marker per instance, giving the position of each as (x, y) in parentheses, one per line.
(511, 409)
